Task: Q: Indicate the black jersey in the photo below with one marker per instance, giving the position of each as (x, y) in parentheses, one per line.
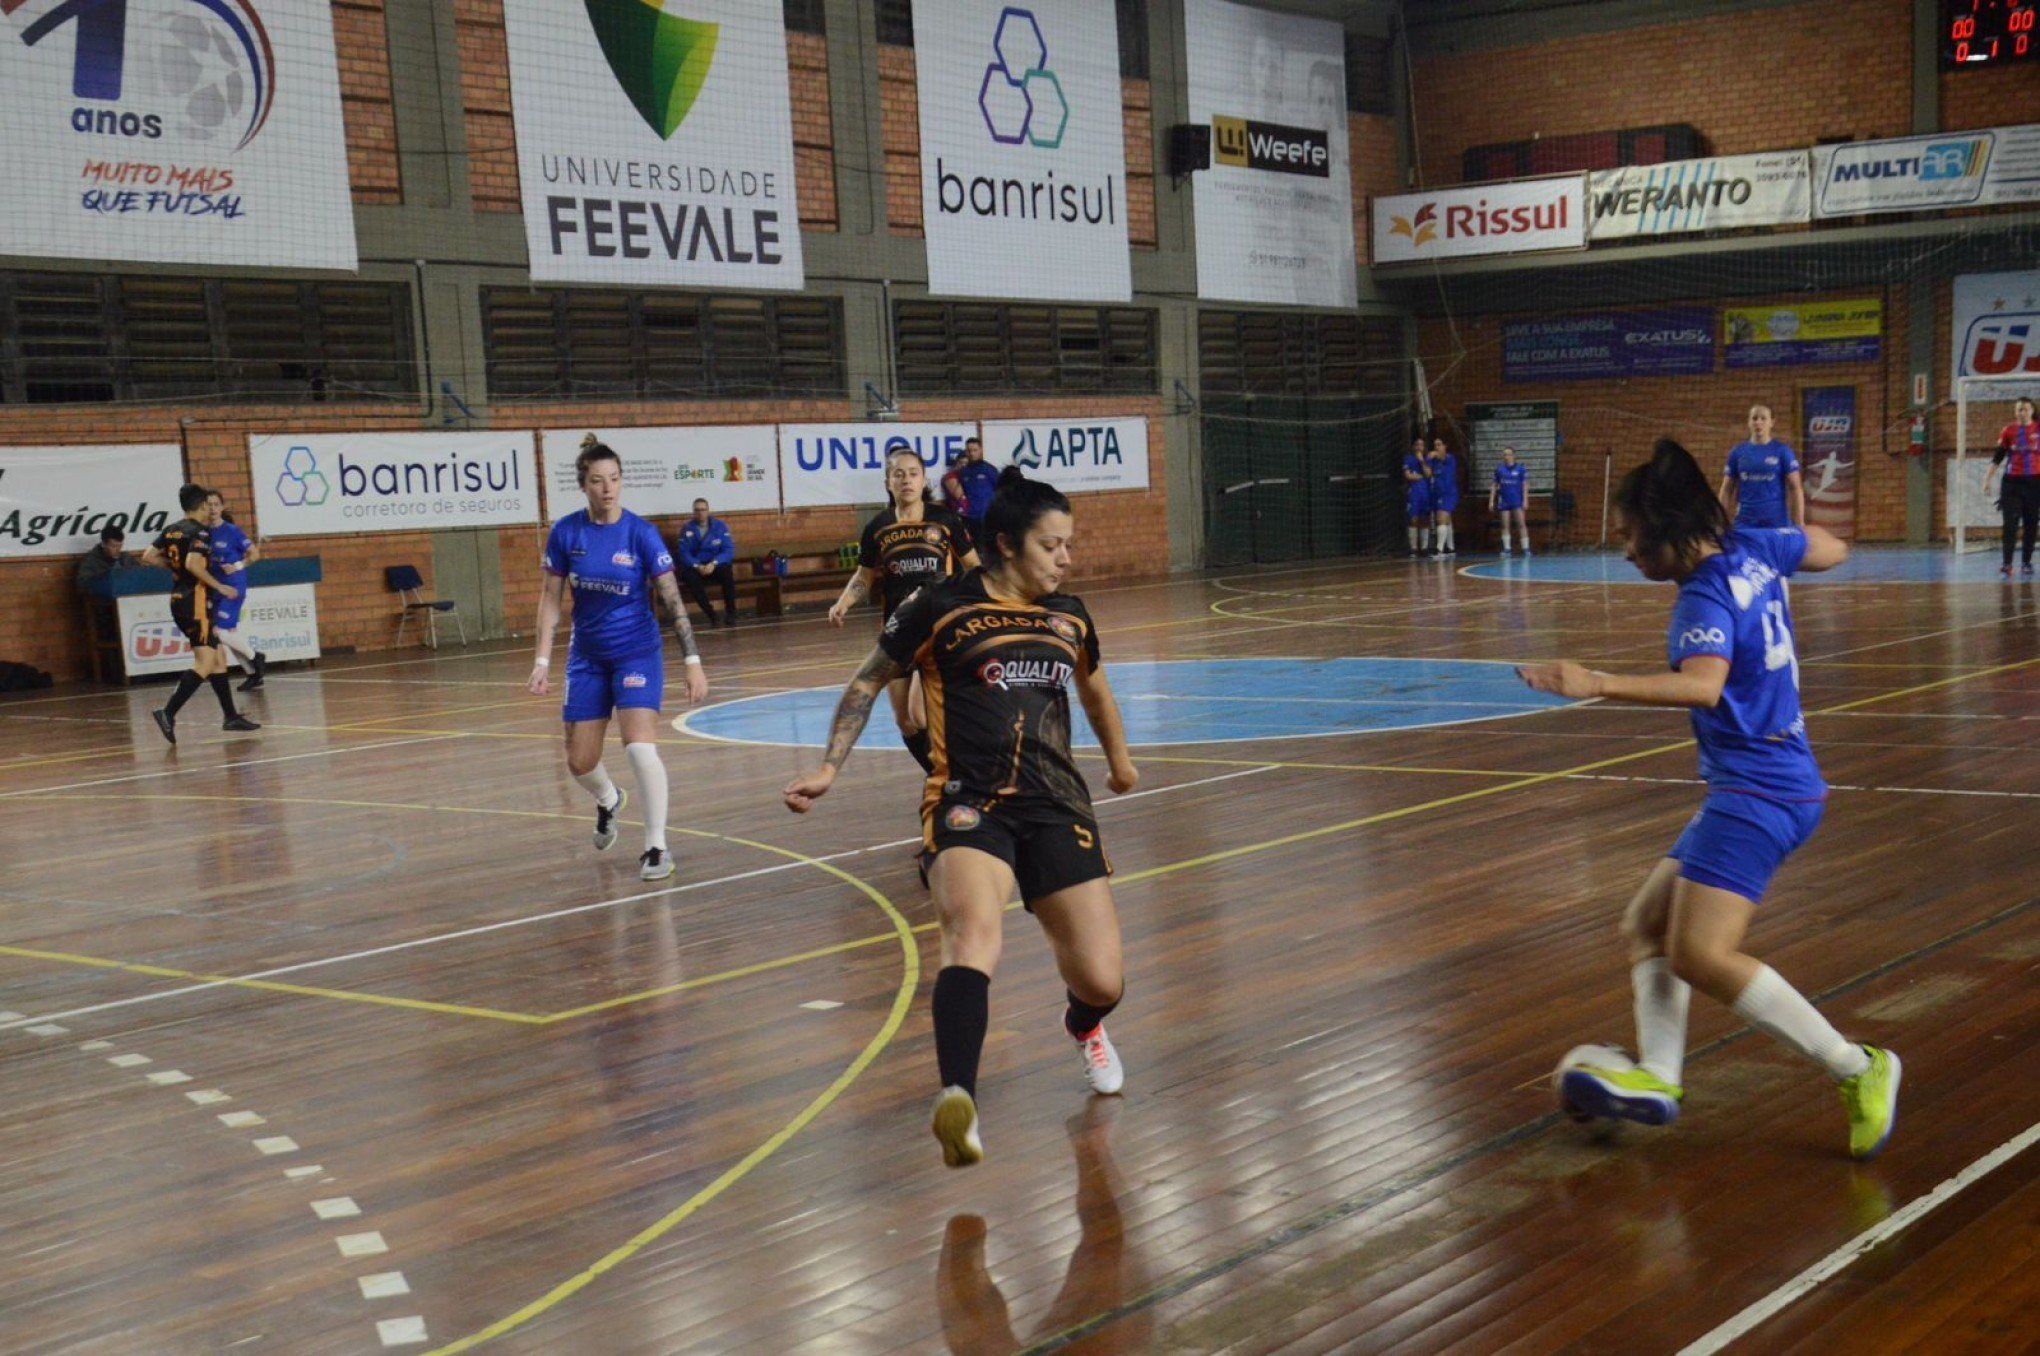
(183, 539)
(906, 556)
(996, 677)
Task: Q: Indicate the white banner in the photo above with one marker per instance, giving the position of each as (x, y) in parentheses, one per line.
(281, 621)
(1700, 195)
(1997, 326)
(1916, 174)
(1077, 456)
(822, 464)
(324, 484)
(1275, 210)
(56, 500)
(1965, 503)
(1504, 218)
(655, 144)
(174, 132)
(1023, 150)
(734, 467)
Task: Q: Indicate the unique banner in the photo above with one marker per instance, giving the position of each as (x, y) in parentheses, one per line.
(1275, 210)
(1530, 426)
(734, 467)
(174, 131)
(1615, 344)
(1076, 456)
(322, 484)
(279, 620)
(655, 142)
(1023, 150)
(1504, 218)
(1827, 452)
(1997, 325)
(1916, 174)
(57, 500)
(1791, 336)
(1773, 189)
(823, 464)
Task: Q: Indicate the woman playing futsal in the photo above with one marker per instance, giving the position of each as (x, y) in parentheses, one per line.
(1733, 665)
(1444, 495)
(2018, 460)
(1005, 805)
(1509, 493)
(1416, 474)
(614, 562)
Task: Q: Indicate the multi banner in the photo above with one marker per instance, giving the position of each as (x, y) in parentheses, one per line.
(1929, 173)
(169, 131)
(57, 500)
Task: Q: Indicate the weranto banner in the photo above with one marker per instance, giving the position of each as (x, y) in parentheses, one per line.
(1700, 195)
(1502, 218)
(1077, 456)
(1917, 174)
(655, 142)
(174, 131)
(1275, 210)
(1023, 150)
(734, 467)
(326, 484)
(823, 464)
(56, 500)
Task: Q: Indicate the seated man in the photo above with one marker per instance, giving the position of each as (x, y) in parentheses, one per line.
(707, 551)
(103, 559)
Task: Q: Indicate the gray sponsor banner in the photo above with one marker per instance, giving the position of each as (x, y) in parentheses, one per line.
(1773, 189)
(1918, 174)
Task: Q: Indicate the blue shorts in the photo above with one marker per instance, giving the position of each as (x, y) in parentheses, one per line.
(1504, 505)
(227, 613)
(1420, 503)
(595, 687)
(1737, 842)
(1445, 503)
(1745, 516)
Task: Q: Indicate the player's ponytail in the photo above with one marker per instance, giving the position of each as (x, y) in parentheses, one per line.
(1017, 505)
(593, 449)
(1670, 505)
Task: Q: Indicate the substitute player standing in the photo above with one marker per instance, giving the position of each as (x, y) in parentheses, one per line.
(1416, 474)
(1509, 494)
(1762, 486)
(2017, 461)
(1444, 496)
(184, 549)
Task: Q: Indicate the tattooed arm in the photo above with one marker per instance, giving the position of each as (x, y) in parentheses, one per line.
(854, 592)
(667, 588)
(851, 714)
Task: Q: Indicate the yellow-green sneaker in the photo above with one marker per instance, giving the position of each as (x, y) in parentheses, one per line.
(1621, 1094)
(1871, 1099)
(957, 1129)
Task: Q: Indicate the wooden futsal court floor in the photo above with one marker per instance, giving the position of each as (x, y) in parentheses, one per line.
(341, 1038)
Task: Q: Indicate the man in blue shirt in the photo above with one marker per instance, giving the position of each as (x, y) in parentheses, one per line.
(1762, 481)
(979, 478)
(707, 551)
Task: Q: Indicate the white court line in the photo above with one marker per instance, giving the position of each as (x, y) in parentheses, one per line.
(550, 915)
(221, 767)
(1802, 1284)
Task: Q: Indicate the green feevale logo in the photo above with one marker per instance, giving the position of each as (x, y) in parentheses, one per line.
(659, 59)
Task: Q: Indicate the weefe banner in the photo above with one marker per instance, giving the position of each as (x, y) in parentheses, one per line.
(175, 132)
(823, 464)
(1773, 189)
(1997, 325)
(734, 467)
(1023, 150)
(1505, 218)
(655, 143)
(56, 500)
(1077, 456)
(1827, 452)
(323, 484)
(1275, 210)
(1616, 344)
(1916, 174)
(1791, 336)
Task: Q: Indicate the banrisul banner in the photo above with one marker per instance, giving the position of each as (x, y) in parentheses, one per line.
(1275, 210)
(1614, 344)
(1077, 456)
(1023, 150)
(57, 500)
(323, 484)
(174, 131)
(1827, 450)
(1916, 174)
(734, 467)
(1997, 325)
(1774, 189)
(1508, 218)
(823, 464)
(655, 142)
(1790, 336)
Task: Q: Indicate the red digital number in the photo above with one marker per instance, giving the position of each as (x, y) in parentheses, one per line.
(1962, 29)
(1961, 51)
(2023, 45)
(2021, 21)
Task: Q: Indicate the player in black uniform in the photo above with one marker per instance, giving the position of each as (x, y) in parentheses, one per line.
(185, 549)
(1005, 804)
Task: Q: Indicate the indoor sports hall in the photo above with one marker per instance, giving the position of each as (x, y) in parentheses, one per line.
(389, 388)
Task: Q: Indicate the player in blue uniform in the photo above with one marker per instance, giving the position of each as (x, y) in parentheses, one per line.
(1444, 496)
(614, 563)
(1762, 486)
(232, 554)
(1416, 474)
(1509, 494)
(1733, 665)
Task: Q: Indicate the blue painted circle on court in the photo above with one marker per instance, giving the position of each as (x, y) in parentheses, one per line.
(1201, 701)
(1873, 565)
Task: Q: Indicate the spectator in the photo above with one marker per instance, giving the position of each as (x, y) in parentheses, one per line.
(978, 478)
(103, 559)
(707, 551)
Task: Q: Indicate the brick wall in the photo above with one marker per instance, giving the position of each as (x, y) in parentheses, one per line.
(362, 46)
(1990, 98)
(1370, 147)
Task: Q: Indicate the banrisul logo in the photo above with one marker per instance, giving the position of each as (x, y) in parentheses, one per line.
(202, 70)
(660, 59)
(301, 484)
(1021, 100)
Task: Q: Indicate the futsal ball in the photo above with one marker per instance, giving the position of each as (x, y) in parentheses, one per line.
(1599, 1057)
(202, 75)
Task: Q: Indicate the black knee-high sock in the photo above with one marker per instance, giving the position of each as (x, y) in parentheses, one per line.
(1080, 1019)
(917, 744)
(963, 1007)
(188, 682)
(224, 693)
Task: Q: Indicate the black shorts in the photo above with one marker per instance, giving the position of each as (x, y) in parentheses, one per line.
(1049, 848)
(193, 621)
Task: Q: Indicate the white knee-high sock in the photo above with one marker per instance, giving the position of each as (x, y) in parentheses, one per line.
(651, 780)
(238, 646)
(1413, 539)
(598, 785)
(1778, 1010)
(1423, 538)
(1662, 1000)
(1445, 536)
(1505, 536)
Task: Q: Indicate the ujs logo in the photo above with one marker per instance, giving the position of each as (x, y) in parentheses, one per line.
(659, 59)
(2002, 345)
(203, 70)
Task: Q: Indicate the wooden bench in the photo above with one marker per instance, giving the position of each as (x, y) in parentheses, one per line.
(815, 573)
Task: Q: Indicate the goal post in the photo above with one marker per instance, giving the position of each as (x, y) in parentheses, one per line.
(1983, 405)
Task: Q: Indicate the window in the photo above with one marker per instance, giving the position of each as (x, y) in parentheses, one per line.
(1133, 39)
(1291, 353)
(896, 23)
(805, 16)
(945, 347)
(1370, 74)
(659, 345)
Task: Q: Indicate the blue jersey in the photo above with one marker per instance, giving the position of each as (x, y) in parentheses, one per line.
(1759, 471)
(980, 480)
(230, 546)
(609, 568)
(1445, 481)
(1512, 483)
(1733, 607)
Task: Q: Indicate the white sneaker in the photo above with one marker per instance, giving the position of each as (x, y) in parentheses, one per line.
(605, 821)
(1102, 1069)
(957, 1129)
(656, 864)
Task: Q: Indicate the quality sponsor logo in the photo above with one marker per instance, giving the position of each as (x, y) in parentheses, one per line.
(1020, 98)
(961, 818)
(660, 60)
(1245, 144)
(1007, 674)
(1702, 635)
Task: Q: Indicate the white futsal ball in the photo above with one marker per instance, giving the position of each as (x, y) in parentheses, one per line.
(203, 75)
